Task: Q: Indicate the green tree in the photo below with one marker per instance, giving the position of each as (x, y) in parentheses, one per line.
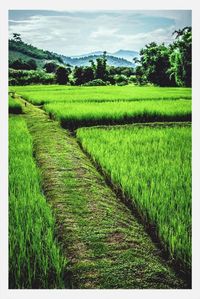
(62, 74)
(83, 75)
(155, 64)
(140, 75)
(167, 65)
(88, 73)
(93, 65)
(50, 67)
(181, 57)
(19, 64)
(17, 37)
(32, 64)
(78, 75)
(101, 67)
(121, 79)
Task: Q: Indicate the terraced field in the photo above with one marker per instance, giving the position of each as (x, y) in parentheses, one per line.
(120, 194)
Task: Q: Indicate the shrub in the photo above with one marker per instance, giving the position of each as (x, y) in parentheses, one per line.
(96, 82)
(121, 79)
(50, 67)
(20, 64)
(132, 79)
(123, 83)
(22, 77)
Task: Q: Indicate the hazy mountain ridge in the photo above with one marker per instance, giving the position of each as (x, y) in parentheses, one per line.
(85, 60)
(21, 50)
(124, 54)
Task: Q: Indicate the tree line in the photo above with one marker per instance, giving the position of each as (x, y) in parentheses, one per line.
(99, 73)
(167, 65)
(158, 64)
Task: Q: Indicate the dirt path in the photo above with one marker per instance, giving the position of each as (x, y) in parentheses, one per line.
(105, 244)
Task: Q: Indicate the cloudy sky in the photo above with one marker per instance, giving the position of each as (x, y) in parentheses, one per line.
(79, 32)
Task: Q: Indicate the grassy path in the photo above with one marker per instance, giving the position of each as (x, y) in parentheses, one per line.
(105, 244)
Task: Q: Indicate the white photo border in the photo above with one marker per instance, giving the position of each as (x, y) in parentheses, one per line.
(89, 5)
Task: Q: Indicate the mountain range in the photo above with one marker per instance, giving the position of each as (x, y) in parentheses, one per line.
(84, 60)
(124, 54)
(19, 49)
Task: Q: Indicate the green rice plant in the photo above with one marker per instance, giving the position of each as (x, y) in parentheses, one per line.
(74, 115)
(35, 260)
(152, 166)
(107, 247)
(41, 94)
(14, 106)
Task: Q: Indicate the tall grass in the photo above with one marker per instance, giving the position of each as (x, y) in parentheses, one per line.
(15, 106)
(40, 94)
(109, 113)
(35, 260)
(152, 165)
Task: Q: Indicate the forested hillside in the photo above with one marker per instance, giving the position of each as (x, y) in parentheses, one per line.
(21, 50)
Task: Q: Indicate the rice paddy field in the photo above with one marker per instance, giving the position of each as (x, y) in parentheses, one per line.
(42, 94)
(74, 115)
(14, 106)
(110, 140)
(152, 165)
(35, 259)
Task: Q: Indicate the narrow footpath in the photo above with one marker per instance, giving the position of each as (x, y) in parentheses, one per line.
(105, 245)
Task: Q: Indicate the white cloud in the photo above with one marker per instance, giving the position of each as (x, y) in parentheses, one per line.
(160, 35)
(103, 32)
(73, 33)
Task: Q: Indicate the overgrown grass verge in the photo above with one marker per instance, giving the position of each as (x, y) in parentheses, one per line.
(35, 260)
(73, 116)
(152, 167)
(15, 106)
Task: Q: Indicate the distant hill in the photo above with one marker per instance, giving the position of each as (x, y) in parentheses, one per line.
(85, 60)
(19, 49)
(124, 54)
